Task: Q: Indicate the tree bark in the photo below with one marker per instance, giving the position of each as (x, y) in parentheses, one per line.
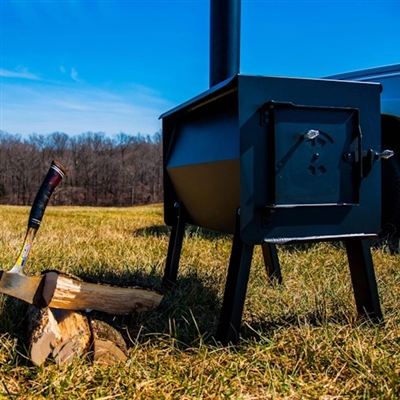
(109, 346)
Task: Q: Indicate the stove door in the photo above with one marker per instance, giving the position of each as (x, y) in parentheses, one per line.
(317, 155)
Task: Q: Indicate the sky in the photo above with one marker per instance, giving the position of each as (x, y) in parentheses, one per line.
(77, 66)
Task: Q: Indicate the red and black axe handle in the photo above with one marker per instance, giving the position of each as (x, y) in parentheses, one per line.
(50, 182)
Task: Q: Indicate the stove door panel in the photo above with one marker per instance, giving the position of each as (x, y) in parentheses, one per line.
(317, 155)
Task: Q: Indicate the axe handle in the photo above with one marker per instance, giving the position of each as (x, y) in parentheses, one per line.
(52, 179)
(26, 248)
(50, 182)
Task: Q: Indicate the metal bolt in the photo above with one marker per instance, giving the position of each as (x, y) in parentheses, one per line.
(266, 117)
(316, 156)
(348, 157)
(311, 134)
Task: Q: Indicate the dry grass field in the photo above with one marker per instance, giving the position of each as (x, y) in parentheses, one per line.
(298, 340)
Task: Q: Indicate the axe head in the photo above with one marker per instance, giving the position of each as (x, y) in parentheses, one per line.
(26, 288)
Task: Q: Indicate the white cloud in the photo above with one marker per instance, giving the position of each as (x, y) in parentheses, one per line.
(74, 75)
(21, 73)
(43, 107)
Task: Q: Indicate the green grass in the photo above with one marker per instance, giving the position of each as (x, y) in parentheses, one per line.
(299, 340)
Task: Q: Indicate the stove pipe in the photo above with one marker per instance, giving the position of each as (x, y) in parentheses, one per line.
(224, 39)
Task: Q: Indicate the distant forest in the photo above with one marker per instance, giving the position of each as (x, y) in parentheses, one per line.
(121, 171)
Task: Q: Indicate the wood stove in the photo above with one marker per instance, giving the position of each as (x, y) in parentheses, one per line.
(274, 160)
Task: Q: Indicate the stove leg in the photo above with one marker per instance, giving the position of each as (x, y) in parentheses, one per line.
(363, 278)
(235, 290)
(271, 261)
(175, 247)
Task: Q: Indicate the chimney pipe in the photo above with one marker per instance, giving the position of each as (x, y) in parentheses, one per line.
(224, 39)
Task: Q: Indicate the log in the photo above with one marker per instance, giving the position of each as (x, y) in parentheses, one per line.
(67, 292)
(109, 346)
(75, 335)
(66, 334)
(43, 333)
(63, 329)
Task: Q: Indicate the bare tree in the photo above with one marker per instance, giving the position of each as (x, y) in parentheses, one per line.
(120, 171)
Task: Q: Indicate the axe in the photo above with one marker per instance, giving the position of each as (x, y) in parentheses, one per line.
(14, 282)
(57, 290)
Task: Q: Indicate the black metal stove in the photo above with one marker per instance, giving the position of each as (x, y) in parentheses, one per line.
(273, 160)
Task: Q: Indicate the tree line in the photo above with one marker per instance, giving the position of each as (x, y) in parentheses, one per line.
(120, 171)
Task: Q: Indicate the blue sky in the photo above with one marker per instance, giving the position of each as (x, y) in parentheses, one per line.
(114, 66)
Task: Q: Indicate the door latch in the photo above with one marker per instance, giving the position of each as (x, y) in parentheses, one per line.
(370, 157)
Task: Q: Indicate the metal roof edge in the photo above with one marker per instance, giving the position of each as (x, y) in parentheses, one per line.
(201, 97)
(375, 72)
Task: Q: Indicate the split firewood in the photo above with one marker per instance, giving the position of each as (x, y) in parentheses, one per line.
(62, 328)
(75, 335)
(68, 292)
(43, 333)
(59, 290)
(63, 334)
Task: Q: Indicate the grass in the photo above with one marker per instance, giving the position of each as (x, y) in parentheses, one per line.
(299, 340)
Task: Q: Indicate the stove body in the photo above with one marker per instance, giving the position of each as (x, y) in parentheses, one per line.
(298, 157)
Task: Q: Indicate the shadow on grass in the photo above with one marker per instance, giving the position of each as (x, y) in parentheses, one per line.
(188, 313)
(13, 325)
(266, 329)
(12, 315)
(190, 231)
